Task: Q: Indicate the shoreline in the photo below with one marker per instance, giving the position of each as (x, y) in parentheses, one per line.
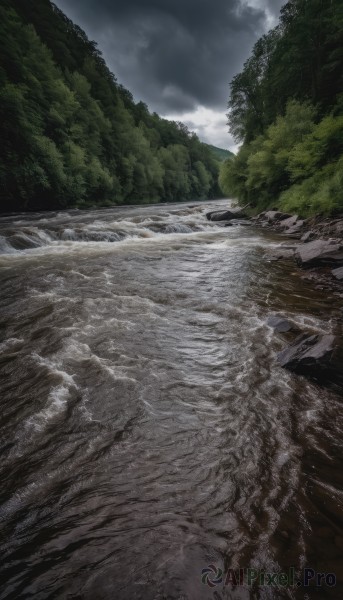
(315, 246)
(317, 251)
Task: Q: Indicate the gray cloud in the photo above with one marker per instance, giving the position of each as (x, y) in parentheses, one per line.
(174, 54)
(178, 56)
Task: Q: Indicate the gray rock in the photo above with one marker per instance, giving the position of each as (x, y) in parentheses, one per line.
(226, 215)
(320, 253)
(260, 216)
(281, 324)
(308, 236)
(290, 222)
(274, 215)
(282, 253)
(338, 273)
(295, 228)
(318, 357)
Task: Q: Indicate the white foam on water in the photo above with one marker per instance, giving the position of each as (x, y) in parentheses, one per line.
(57, 404)
(10, 344)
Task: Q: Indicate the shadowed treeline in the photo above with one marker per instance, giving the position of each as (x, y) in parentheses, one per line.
(71, 135)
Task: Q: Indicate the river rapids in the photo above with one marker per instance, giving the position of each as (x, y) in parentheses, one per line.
(149, 440)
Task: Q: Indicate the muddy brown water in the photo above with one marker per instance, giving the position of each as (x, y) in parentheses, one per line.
(148, 436)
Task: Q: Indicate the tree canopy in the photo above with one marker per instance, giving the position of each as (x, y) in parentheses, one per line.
(285, 108)
(71, 135)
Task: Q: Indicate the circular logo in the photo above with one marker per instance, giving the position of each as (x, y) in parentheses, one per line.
(212, 576)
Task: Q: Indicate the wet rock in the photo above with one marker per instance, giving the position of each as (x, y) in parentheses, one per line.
(282, 253)
(259, 217)
(282, 325)
(274, 215)
(318, 357)
(296, 227)
(320, 253)
(243, 222)
(308, 236)
(338, 273)
(226, 215)
(289, 222)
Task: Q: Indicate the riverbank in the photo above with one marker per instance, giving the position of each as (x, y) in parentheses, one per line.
(315, 246)
(319, 253)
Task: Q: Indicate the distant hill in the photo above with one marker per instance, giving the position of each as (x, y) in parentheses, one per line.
(220, 153)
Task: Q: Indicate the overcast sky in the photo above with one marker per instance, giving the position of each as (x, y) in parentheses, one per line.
(178, 56)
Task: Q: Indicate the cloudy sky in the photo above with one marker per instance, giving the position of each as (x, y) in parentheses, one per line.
(178, 56)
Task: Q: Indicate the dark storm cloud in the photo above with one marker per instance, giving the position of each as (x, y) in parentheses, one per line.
(174, 54)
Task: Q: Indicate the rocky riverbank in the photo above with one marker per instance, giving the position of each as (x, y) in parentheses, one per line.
(319, 252)
(316, 247)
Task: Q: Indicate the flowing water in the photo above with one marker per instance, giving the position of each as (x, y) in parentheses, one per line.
(147, 431)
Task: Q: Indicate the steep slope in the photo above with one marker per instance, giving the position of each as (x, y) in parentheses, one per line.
(71, 135)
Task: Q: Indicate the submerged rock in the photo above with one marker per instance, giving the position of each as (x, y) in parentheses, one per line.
(320, 253)
(318, 357)
(282, 325)
(338, 273)
(282, 253)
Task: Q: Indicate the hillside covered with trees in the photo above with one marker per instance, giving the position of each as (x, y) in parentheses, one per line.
(219, 153)
(71, 135)
(286, 109)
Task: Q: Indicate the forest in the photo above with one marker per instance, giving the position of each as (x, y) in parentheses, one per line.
(286, 112)
(72, 136)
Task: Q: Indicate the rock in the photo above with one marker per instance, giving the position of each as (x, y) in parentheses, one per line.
(226, 215)
(320, 253)
(274, 215)
(290, 222)
(308, 236)
(338, 273)
(295, 228)
(281, 324)
(242, 222)
(260, 216)
(318, 357)
(282, 253)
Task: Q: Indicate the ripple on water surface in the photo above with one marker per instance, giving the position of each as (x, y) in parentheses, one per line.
(147, 431)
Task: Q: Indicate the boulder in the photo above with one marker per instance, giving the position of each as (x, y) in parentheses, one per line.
(295, 228)
(318, 357)
(308, 236)
(227, 215)
(281, 324)
(338, 273)
(289, 222)
(320, 253)
(274, 215)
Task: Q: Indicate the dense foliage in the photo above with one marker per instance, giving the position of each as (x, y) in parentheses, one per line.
(286, 109)
(71, 135)
(219, 153)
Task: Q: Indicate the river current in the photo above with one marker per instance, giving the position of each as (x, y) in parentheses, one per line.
(149, 438)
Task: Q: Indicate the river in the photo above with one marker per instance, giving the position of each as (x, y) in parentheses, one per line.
(147, 431)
